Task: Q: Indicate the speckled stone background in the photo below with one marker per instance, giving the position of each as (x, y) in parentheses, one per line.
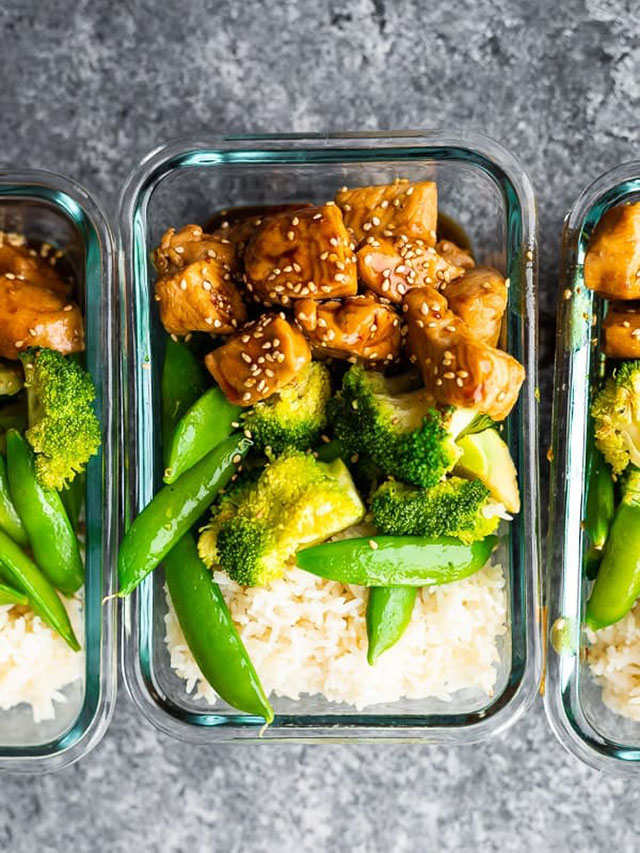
(87, 88)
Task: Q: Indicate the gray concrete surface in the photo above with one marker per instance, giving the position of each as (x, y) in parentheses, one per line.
(89, 87)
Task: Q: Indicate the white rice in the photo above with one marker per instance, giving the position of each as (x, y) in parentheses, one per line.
(35, 663)
(614, 659)
(307, 635)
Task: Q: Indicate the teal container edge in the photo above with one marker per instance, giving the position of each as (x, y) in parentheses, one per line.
(186, 181)
(573, 701)
(46, 206)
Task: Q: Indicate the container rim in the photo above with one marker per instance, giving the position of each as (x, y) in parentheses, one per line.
(564, 576)
(81, 208)
(325, 148)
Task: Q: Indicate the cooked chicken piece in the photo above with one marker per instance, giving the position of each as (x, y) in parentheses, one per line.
(621, 331)
(392, 268)
(32, 315)
(391, 210)
(26, 264)
(195, 289)
(612, 264)
(199, 299)
(457, 368)
(455, 254)
(356, 328)
(178, 249)
(238, 224)
(257, 361)
(303, 253)
(480, 299)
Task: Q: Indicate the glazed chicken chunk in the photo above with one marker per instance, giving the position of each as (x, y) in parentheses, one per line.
(178, 249)
(457, 368)
(391, 210)
(26, 264)
(237, 226)
(455, 254)
(621, 331)
(359, 328)
(392, 268)
(196, 291)
(302, 253)
(612, 264)
(480, 299)
(32, 315)
(259, 360)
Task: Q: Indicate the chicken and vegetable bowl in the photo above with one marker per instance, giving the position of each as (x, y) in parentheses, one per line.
(612, 508)
(335, 475)
(48, 432)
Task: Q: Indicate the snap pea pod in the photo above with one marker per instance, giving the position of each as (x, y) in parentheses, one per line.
(183, 381)
(173, 510)
(389, 610)
(618, 583)
(203, 426)
(9, 519)
(23, 573)
(53, 542)
(209, 631)
(396, 560)
(600, 507)
(73, 497)
(9, 595)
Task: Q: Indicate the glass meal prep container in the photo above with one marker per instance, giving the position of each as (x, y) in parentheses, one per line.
(485, 190)
(573, 700)
(48, 208)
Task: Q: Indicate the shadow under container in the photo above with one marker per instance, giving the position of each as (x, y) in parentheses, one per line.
(48, 208)
(485, 190)
(573, 700)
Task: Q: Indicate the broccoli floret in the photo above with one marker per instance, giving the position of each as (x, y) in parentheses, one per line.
(256, 529)
(397, 425)
(454, 507)
(295, 416)
(616, 417)
(63, 429)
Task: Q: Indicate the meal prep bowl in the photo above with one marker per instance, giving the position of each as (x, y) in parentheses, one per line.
(573, 701)
(48, 208)
(481, 186)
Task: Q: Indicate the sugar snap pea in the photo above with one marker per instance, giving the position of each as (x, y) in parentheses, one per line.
(389, 610)
(9, 595)
(173, 510)
(53, 542)
(9, 519)
(396, 560)
(209, 631)
(204, 425)
(22, 573)
(183, 381)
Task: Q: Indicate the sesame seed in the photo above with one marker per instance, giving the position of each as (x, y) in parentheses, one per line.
(9, 275)
(424, 308)
(626, 324)
(183, 284)
(208, 321)
(291, 235)
(179, 249)
(19, 344)
(68, 308)
(318, 216)
(295, 221)
(246, 357)
(438, 382)
(373, 544)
